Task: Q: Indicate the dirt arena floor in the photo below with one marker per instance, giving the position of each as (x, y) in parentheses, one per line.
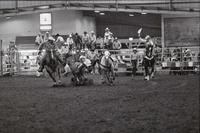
(167, 104)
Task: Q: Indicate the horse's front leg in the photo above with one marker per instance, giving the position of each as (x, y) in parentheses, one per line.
(153, 68)
(59, 76)
(52, 76)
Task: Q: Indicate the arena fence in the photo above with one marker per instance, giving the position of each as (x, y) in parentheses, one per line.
(168, 60)
(8, 63)
(173, 60)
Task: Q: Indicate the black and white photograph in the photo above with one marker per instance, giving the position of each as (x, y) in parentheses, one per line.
(99, 66)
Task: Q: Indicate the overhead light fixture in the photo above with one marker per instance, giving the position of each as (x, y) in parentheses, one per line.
(96, 11)
(143, 13)
(43, 7)
(102, 13)
(131, 15)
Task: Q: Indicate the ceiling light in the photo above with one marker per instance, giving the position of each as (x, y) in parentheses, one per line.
(131, 15)
(43, 7)
(102, 13)
(96, 11)
(143, 13)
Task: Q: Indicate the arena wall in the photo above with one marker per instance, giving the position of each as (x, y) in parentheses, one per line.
(63, 22)
(180, 30)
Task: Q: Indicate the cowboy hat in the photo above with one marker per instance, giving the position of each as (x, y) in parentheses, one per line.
(82, 57)
(51, 38)
(106, 53)
(134, 49)
(147, 37)
(107, 28)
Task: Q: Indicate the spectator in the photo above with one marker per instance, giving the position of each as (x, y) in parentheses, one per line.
(70, 42)
(85, 40)
(38, 39)
(187, 55)
(174, 56)
(100, 43)
(92, 55)
(134, 61)
(65, 51)
(116, 44)
(77, 41)
(108, 38)
(178, 53)
(27, 63)
(46, 36)
(59, 40)
(92, 41)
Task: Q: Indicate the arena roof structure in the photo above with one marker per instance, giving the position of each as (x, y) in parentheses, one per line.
(17, 7)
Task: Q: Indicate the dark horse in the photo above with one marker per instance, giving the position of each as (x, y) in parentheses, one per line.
(53, 67)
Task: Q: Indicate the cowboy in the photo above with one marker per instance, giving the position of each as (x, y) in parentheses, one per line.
(84, 63)
(70, 42)
(85, 40)
(187, 55)
(106, 56)
(149, 57)
(77, 41)
(92, 41)
(48, 46)
(116, 44)
(64, 50)
(59, 41)
(134, 61)
(103, 63)
(108, 38)
(38, 39)
(46, 36)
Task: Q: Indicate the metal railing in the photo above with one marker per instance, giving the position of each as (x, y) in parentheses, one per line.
(182, 59)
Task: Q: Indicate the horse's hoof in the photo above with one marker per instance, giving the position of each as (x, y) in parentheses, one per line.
(59, 82)
(91, 81)
(147, 78)
(55, 85)
(110, 84)
(103, 82)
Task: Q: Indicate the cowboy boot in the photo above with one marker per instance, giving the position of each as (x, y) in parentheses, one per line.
(41, 68)
(152, 75)
(146, 78)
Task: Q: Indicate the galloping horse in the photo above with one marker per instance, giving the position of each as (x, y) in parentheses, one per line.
(50, 60)
(53, 67)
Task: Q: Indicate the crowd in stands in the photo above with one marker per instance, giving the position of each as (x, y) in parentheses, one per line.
(84, 41)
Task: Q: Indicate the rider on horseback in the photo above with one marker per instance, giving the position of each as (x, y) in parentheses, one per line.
(106, 65)
(49, 47)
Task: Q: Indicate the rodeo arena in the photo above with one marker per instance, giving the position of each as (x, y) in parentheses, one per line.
(99, 66)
